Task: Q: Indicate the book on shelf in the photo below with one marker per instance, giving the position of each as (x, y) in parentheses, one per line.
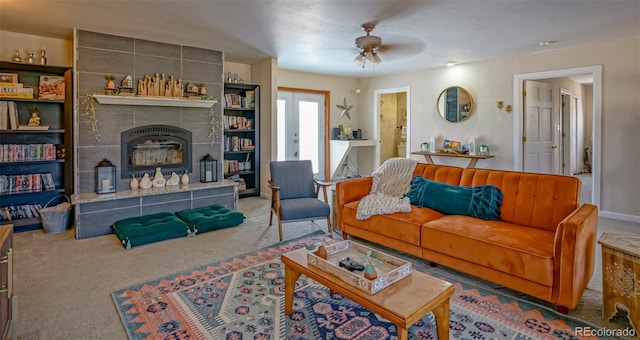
(13, 115)
(27, 152)
(12, 84)
(17, 212)
(51, 87)
(47, 181)
(25, 183)
(16, 89)
(16, 95)
(33, 127)
(251, 99)
(10, 78)
(4, 115)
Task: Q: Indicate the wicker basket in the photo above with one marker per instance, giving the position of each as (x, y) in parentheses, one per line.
(55, 219)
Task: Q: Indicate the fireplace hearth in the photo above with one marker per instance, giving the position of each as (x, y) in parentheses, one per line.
(147, 147)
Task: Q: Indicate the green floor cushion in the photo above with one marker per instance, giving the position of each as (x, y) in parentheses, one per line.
(214, 217)
(145, 229)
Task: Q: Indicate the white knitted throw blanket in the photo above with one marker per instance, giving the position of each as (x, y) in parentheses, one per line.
(391, 181)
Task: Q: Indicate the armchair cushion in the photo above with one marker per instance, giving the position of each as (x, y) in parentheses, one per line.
(295, 178)
(303, 208)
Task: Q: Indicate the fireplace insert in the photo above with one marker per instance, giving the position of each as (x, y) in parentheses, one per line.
(147, 147)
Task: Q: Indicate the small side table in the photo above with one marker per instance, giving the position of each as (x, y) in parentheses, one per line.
(621, 276)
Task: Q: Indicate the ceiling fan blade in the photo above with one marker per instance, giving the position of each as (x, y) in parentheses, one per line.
(401, 50)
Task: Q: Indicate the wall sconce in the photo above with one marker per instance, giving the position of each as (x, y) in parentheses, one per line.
(501, 105)
(208, 169)
(105, 177)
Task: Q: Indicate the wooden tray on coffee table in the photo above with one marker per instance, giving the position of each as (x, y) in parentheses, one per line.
(391, 270)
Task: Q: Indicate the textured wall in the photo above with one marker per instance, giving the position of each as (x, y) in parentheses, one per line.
(98, 55)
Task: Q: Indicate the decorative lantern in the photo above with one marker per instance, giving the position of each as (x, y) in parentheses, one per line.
(105, 177)
(208, 169)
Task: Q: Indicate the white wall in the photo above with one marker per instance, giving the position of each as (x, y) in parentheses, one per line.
(339, 87)
(492, 80)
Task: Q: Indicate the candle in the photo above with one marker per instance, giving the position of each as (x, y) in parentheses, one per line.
(208, 176)
(105, 185)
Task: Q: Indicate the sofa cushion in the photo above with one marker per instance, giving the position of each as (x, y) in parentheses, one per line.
(403, 226)
(145, 229)
(521, 251)
(480, 201)
(534, 200)
(214, 217)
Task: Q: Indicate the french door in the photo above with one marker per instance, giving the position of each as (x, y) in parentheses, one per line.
(300, 128)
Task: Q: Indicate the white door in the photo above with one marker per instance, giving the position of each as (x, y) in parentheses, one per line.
(300, 128)
(541, 126)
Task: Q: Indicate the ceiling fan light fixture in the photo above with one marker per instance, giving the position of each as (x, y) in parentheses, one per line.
(369, 44)
(367, 57)
(360, 59)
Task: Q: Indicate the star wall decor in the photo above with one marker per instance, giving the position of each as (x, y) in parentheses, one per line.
(345, 109)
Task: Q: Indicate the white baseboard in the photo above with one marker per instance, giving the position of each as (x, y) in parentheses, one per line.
(618, 216)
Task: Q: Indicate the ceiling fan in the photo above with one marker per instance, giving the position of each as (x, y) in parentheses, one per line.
(369, 45)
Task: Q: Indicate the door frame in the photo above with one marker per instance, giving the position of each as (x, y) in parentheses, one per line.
(376, 119)
(596, 72)
(327, 104)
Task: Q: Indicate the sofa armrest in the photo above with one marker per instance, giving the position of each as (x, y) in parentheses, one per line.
(350, 190)
(574, 255)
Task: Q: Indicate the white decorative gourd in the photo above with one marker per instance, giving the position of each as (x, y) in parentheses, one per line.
(185, 178)
(158, 179)
(133, 183)
(173, 180)
(145, 182)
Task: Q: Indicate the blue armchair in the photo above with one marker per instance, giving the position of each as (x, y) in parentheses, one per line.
(294, 193)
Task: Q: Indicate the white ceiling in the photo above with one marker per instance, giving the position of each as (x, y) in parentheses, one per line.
(318, 35)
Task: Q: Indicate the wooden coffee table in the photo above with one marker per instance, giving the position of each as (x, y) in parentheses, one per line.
(403, 303)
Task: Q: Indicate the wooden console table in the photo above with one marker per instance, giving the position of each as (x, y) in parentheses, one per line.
(473, 159)
(621, 276)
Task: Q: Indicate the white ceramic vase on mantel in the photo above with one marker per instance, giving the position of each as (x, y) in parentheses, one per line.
(145, 182)
(158, 179)
(133, 183)
(185, 178)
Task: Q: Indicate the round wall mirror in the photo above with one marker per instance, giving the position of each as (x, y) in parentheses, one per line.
(455, 104)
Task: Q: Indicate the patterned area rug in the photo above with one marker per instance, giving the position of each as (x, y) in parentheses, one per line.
(243, 298)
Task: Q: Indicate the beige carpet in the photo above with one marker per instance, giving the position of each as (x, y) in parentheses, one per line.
(63, 284)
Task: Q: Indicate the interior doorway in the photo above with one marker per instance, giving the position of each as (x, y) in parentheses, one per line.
(591, 184)
(391, 120)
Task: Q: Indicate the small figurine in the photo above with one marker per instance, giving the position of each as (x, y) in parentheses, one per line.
(173, 180)
(31, 58)
(17, 57)
(145, 182)
(110, 88)
(110, 83)
(185, 178)
(158, 179)
(134, 183)
(127, 82)
(43, 57)
(34, 120)
(203, 89)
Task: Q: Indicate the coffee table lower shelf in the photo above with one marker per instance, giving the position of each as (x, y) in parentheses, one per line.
(403, 303)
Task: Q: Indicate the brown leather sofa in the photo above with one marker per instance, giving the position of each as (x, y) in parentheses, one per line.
(543, 246)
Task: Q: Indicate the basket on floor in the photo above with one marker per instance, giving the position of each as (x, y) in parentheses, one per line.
(55, 219)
